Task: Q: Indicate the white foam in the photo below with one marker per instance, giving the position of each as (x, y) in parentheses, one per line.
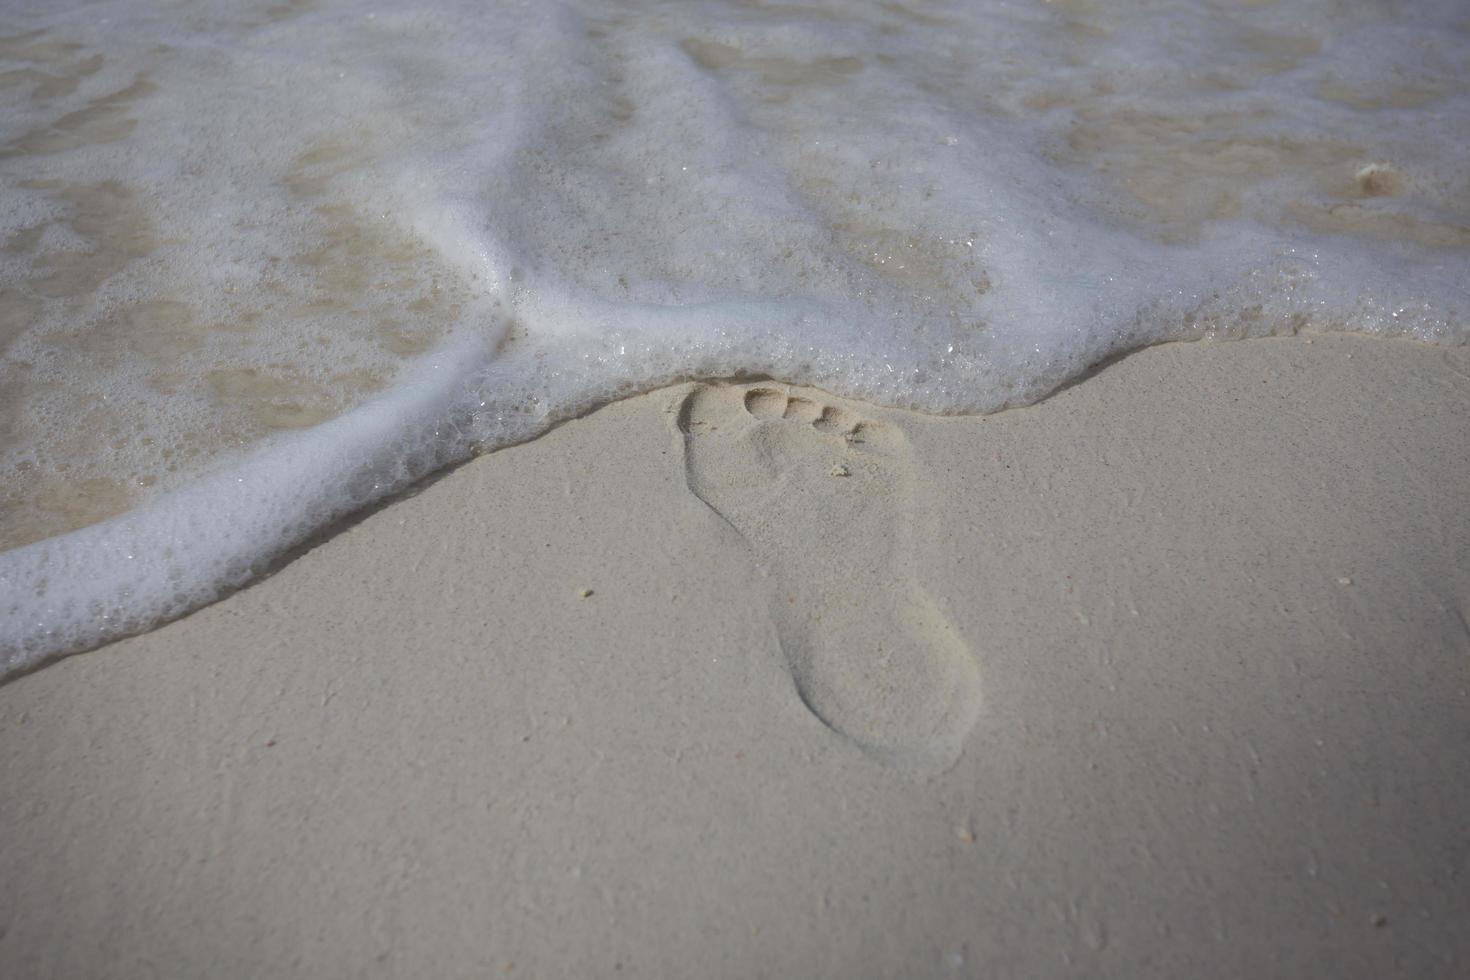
(228, 235)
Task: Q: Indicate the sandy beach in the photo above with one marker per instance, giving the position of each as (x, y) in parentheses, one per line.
(1168, 675)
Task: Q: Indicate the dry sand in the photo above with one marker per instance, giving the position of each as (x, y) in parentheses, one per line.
(1166, 676)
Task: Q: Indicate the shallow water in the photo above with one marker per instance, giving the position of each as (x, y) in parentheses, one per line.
(262, 263)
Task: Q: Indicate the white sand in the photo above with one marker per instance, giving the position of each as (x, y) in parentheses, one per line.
(1166, 676)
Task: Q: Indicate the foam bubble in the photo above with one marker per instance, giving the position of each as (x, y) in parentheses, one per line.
(263, 263)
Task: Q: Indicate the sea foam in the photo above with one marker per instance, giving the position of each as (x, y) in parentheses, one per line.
(262, 264)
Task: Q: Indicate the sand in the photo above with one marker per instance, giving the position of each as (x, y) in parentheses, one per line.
(1166, 676)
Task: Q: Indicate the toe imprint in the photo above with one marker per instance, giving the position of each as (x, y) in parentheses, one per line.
(765, 403)
(771, 405)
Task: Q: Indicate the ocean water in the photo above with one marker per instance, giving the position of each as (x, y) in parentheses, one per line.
(263, 262)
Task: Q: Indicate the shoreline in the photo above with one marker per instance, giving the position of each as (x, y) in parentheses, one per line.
(1215, 594)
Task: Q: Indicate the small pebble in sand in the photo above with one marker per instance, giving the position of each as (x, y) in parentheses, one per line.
(841, 470)
(1379, 920)
(1344, 580)
(965, 834)
(585, 593)
(1378, 180)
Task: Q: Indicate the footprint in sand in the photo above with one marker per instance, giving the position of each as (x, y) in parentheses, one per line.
(822, 494)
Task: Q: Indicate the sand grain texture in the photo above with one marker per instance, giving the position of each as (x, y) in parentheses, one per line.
(1214, 599)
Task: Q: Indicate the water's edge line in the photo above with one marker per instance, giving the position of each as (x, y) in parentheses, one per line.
(101, 562)
(369, 436)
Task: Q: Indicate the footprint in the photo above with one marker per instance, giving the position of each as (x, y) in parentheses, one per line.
(822, 496)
